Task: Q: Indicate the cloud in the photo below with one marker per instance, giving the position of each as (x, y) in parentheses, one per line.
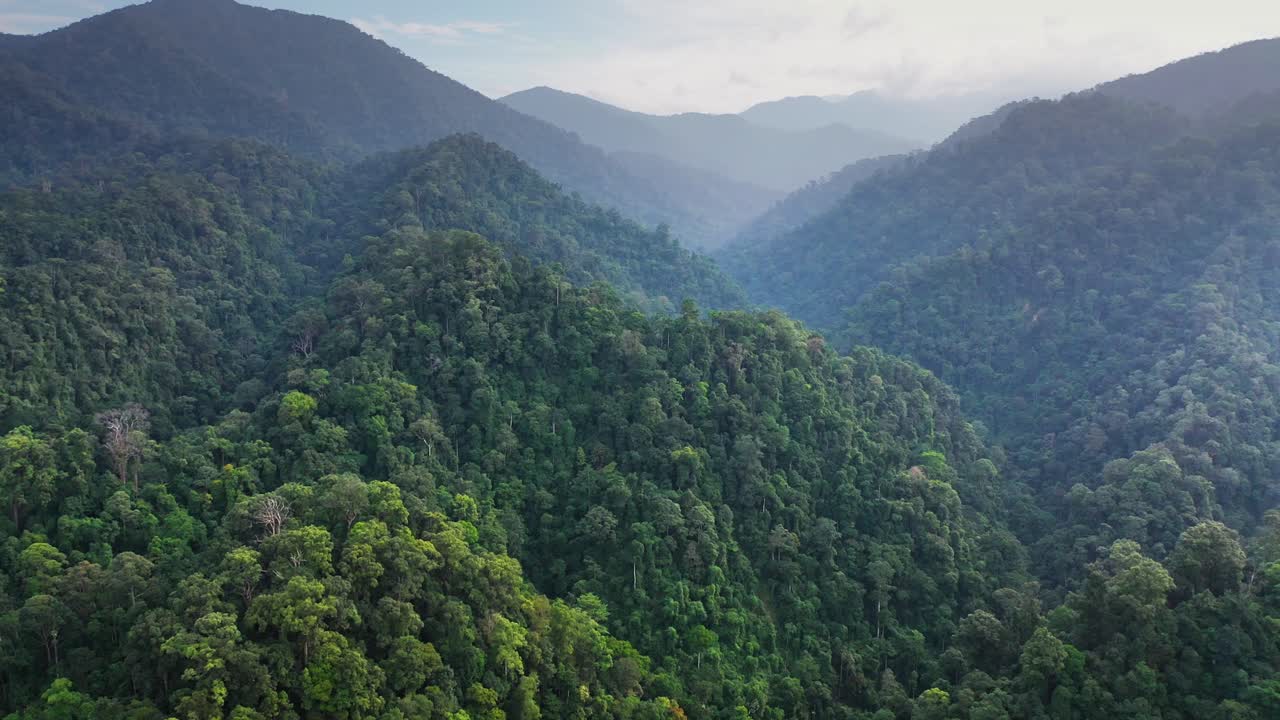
(861, 21)
(454, 33)
(912, 48)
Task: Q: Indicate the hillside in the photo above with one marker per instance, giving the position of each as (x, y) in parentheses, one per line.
(996, 169)
(725, 144)
(465, 182)
(43, 129)
(1120, 341)
(150, 275)
(327, 523)
(928, 120)
(727, 205)
(1207, 83)
(724, 516)
(364, 417)
(319, 87)
(939, 201)
(813, 200)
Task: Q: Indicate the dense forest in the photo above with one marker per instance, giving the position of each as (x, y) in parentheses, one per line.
(305, 413)
(319, 87)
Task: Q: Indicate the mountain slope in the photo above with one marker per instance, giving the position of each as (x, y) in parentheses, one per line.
(1205, 83)
(725, 144)
(466, 182)
(928, 120)
(43, 128)
(1121, 340)
(345, 546)
(812, 200)
(784, 531)
(138, 279)
(942, 200)
(163, 284)
(318, 86)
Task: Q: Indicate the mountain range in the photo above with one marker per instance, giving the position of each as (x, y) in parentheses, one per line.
(1019, 261)
(323, 88)
(729, 145)
(926, 120)
(323, 395)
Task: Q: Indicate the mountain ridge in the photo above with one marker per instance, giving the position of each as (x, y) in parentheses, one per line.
(727, 144)
(239, 70)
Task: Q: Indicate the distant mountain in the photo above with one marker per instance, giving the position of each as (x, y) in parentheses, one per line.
(10, 41)
(930, 119)
(982, 125)
(253, 205)
(725, 204)
(726, 144)
(812, 200)
(1206, 83)
(43, 128)
(933, 203)
(1096, 276)
(1215, 92)
(465, 182)
(1116, 331)
(317, 86)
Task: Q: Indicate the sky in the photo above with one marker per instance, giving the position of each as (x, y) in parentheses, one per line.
(667, 56)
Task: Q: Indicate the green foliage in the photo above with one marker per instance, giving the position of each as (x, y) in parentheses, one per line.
(712, 490)
(171, 280)
(936, 203)
(318, 87)
(1102, 295)
(284, 440)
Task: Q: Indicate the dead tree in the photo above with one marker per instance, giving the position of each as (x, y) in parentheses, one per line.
(272, 513)
(125, 438)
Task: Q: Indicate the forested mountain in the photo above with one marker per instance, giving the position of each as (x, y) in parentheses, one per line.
(44, 129)
(465, 182)
(726, 144)
(1096, 278)
(938, 201)
(312, 425)
(1121, 339)
(776, 530)
(813, 200)
(160, 281)
(325, 89)
(1205, 84)
(928, 120)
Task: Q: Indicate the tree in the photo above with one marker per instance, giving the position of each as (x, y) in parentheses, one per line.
(300, 609)
(27, 471)
(1208, 557)
(44, 616)
(340, 682)
(271, 513)
(1043, 658)
(209, 653)
(346, 496)
(125, 437)
(41, 566)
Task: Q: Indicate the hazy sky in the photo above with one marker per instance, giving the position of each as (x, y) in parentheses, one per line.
(724, 55)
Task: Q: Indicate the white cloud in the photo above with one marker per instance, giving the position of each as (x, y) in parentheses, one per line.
(724, 55)
(453, 33)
